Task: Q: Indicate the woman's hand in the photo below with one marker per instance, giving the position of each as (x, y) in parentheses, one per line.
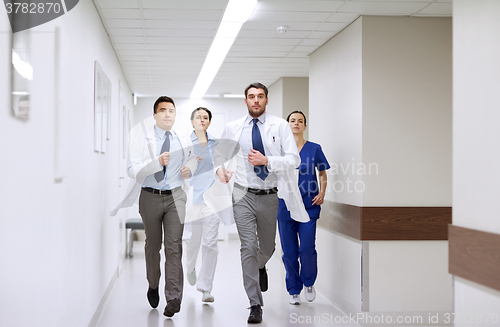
(224, 175)
(185, 172)
(319, 199)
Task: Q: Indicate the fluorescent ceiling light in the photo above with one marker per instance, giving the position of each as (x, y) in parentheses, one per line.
(22, 67)
(234, 96)
(236, 14)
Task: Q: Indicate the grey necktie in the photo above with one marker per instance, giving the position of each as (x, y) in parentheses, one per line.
(159, 176)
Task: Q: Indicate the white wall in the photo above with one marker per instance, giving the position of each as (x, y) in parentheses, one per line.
(60, 247)
(276, 94)
(335, 123)
(296, 96)
(407, 110)
(407, 131)
(476, 155)
(335, 99)
(290, 94)
(380, 93)
(339, 269)
(415, 271)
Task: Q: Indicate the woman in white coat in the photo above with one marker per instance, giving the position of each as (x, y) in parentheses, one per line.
(203, 229)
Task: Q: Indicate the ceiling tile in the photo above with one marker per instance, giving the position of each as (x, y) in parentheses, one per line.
(128, 39)
(178, 32)
(314, 42)
(113, 4)
(259, 16)
(157, 39)
(123, 23)
(125, 52)
(266, 42)
(331, 27)
(121, 13)
(323, 35)
(302, 6)
(382, 8)
(340, 17)
(245, 54)
(438, 9)
(189, 15)
(185, 47)
(180, 24)
(127, 31)
(185, 4)
(269, 48)
(271, 26)
(305, 48)
(125, 46)
(179, 40)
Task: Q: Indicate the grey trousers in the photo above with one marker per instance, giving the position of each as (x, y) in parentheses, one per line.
(164, 214)
(256, 219)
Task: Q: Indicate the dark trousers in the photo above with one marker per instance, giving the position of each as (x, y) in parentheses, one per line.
(163, 215)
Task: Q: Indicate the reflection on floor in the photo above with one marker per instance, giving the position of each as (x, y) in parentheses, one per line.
(128, 305)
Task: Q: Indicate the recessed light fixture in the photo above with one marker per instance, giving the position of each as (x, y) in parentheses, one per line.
(282, 29)
(236, 14)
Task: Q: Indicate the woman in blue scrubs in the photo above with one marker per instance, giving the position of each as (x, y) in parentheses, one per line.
(303, 274)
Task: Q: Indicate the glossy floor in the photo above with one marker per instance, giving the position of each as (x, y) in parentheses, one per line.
(128, 305)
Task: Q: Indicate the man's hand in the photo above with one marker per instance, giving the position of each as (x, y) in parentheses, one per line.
(185, 172)
(256, 158)
(164, 158)
(224, 175)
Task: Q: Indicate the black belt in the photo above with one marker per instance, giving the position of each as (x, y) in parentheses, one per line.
(257, 191)
(160, 192)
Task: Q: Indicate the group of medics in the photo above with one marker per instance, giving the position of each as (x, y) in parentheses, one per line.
(261, 174)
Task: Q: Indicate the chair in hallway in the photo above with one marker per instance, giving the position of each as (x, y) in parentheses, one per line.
(131, 226)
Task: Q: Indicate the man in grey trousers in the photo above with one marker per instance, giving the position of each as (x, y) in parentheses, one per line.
(265, 164)
(160, 159)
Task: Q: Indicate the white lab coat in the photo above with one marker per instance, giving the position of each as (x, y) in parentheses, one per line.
(143, 160)
(218, 197)
(283, 159)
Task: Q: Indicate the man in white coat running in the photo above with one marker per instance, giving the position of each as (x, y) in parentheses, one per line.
(160, 158)
(263, 170)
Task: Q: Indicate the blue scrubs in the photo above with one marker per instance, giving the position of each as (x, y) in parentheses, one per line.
(291, 231)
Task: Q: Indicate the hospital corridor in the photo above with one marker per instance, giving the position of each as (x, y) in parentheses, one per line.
(342, 155)
(127, 304)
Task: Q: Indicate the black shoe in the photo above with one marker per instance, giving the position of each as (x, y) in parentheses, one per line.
(173, 306)
(255, 316)
(153, 297)
(263, 279)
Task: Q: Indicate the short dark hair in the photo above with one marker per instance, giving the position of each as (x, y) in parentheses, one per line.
(256, 85)
(202, 108)
(297, 112)
(161, 99)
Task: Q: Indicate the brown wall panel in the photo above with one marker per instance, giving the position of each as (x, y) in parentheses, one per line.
(341, 218)
(386, 223)
(475, 255)
(405, 223)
